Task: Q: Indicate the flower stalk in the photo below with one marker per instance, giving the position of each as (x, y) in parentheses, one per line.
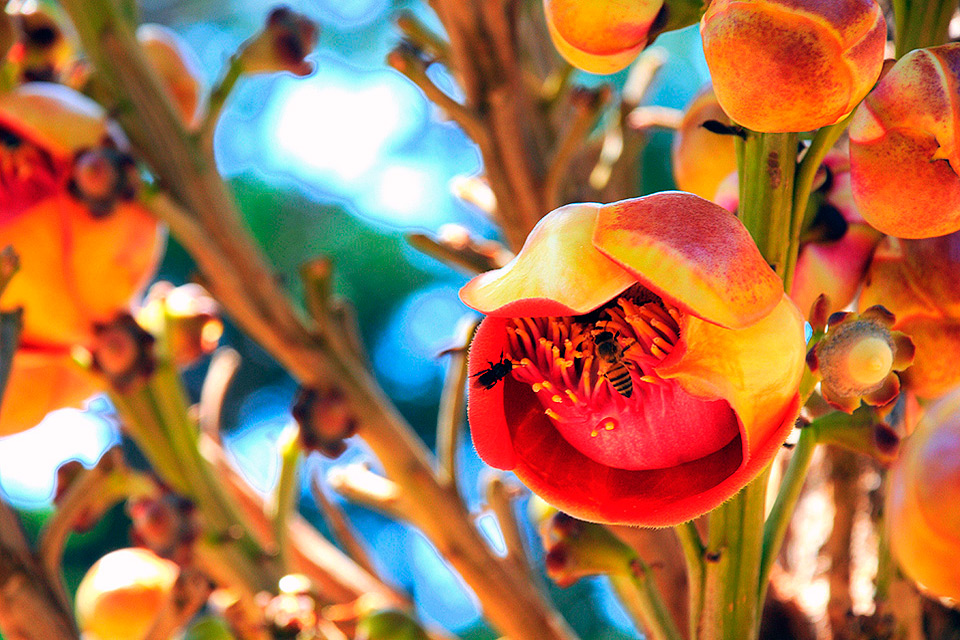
(921, 23)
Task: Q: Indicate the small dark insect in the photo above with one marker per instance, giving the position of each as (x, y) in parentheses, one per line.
(613, 368)
(497, 371)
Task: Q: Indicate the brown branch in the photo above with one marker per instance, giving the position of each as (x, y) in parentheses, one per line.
(500, 496)
(29, 606)
(453, 402)
(223, 367)
(357, 483)
(343, 531)
(587, 105)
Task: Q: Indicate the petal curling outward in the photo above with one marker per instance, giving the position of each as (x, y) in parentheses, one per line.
(691, 252)
(557, 272)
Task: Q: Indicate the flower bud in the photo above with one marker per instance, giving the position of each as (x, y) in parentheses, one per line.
(67, 206)
(187, 318)
(792, 65)
(903, 147)
(577, 549)
(325, 420)
(123, 352)
(282, 45)
(857, 359)
(165, 524)
(600, 36)
(922, 513)
(916, 280)
(703, 158)
(122, 593)
(178, 69)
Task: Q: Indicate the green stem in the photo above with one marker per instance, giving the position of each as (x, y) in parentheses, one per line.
(218, 97)
(767, 163)
(775, 528)
(639, 594)
(806, 173)
(921, 23)
(284, 500)
(693, 550)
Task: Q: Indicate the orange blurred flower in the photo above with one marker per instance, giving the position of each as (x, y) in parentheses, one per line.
(649, 360)
(702, 158)
(68, 207)
(922, 513)
(122, 593)
(792, 65)
(916, 281)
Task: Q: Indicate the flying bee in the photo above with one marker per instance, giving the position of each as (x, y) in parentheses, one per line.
(497, 371)
(612, 367)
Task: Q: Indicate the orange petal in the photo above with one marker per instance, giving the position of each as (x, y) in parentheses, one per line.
(601, 56)
(691, 252)
(756, 369)
(558, 272)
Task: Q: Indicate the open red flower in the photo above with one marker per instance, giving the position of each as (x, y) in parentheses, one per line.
(649, 360)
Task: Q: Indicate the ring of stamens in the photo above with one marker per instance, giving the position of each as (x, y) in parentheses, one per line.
(557, 356)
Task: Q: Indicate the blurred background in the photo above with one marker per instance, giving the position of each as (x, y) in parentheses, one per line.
(341, 163)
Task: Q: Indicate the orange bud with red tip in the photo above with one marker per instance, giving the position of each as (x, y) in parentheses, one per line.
(600, 36)
(903, 146)
(792, 65)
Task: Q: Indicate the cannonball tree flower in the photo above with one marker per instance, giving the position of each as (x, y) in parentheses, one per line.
(68, 206)
(903, 146)
(639, 362)
(792, 65)
(916, 280)
(600, 36)
(922, 513)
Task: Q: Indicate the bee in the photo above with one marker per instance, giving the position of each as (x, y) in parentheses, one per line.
(610, 354)
(497, 371)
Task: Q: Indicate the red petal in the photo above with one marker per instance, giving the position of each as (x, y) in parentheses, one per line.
(558, 272)
(691, 252)
(488, 425)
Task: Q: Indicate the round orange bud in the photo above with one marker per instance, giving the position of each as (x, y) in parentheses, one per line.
(42, 380)
(122, 593)
(600, 36)
(904, 154)
(178, 69)
(702, 159)
(922, 513)
(84, 251)
(792, 65)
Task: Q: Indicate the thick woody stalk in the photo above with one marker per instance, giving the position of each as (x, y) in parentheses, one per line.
(204, 217)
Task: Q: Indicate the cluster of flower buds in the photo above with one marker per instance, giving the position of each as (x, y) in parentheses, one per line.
(122, 593)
